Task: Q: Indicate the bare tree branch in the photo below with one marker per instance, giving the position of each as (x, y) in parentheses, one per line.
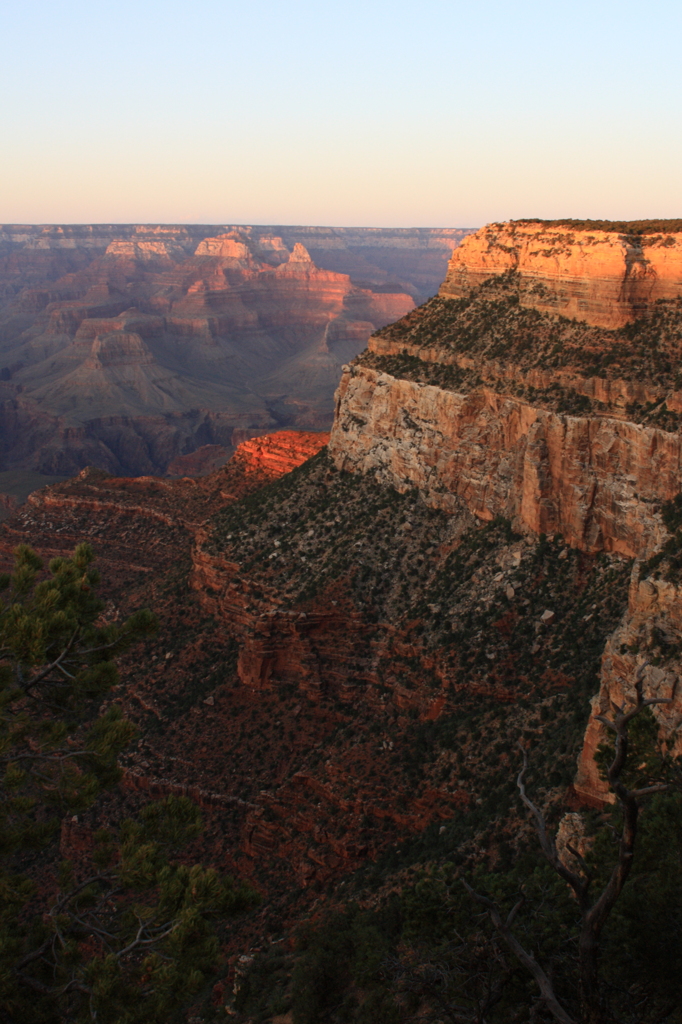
(579, 885)
(527, 959)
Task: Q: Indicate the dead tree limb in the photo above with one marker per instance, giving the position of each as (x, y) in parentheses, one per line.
(594, 913)
(526, 959)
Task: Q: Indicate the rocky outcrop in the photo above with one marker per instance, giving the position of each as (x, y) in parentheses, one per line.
(597, 481)
(644, 649)
(267, 458)
(605, 278)
(321, 650)
(491, 433)
(157, 251)
(184, 503)
(228, 247)
(204, 460)
(8, 501)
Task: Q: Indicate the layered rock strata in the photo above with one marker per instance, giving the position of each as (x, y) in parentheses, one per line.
(644, 651)
(606, 278)
(597, 481)
(464, 401)
(130, 348)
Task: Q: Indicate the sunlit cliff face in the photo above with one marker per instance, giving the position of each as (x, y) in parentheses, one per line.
(605, 278)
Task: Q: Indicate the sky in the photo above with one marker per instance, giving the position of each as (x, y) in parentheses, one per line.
(434, 114)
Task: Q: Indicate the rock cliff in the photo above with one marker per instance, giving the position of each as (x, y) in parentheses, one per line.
(645, 650)
(353, 645)
(492, 397)
(597, 481)
(606, 278)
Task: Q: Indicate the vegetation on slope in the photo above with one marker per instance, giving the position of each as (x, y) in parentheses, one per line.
(500, 341)
(449, 609)
(622, 227)
(425, 951)
(121, 931)
(467, 601)
(470, 599)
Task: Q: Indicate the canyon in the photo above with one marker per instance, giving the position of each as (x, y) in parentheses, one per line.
(358, 629)
(128, 346)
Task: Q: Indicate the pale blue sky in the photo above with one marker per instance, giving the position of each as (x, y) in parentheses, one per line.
(369, 113)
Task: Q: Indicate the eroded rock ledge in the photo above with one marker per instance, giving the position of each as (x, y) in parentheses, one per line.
(489, 397)
(597, 481)
(606, 278)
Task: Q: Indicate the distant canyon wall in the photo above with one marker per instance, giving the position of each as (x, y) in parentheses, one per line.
(129, 346)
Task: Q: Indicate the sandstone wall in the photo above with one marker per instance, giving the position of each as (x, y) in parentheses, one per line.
(602, 277)
(613, 393)
(654, 611)
(596, 480)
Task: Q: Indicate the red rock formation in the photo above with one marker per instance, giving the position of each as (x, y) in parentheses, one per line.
(309, 649)
(238, 330)
(633, 653)
(183, 503)
(603, 277)
(276, 454)
(612, 394)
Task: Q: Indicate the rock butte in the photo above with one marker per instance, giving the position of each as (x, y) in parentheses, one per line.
(603, 277)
